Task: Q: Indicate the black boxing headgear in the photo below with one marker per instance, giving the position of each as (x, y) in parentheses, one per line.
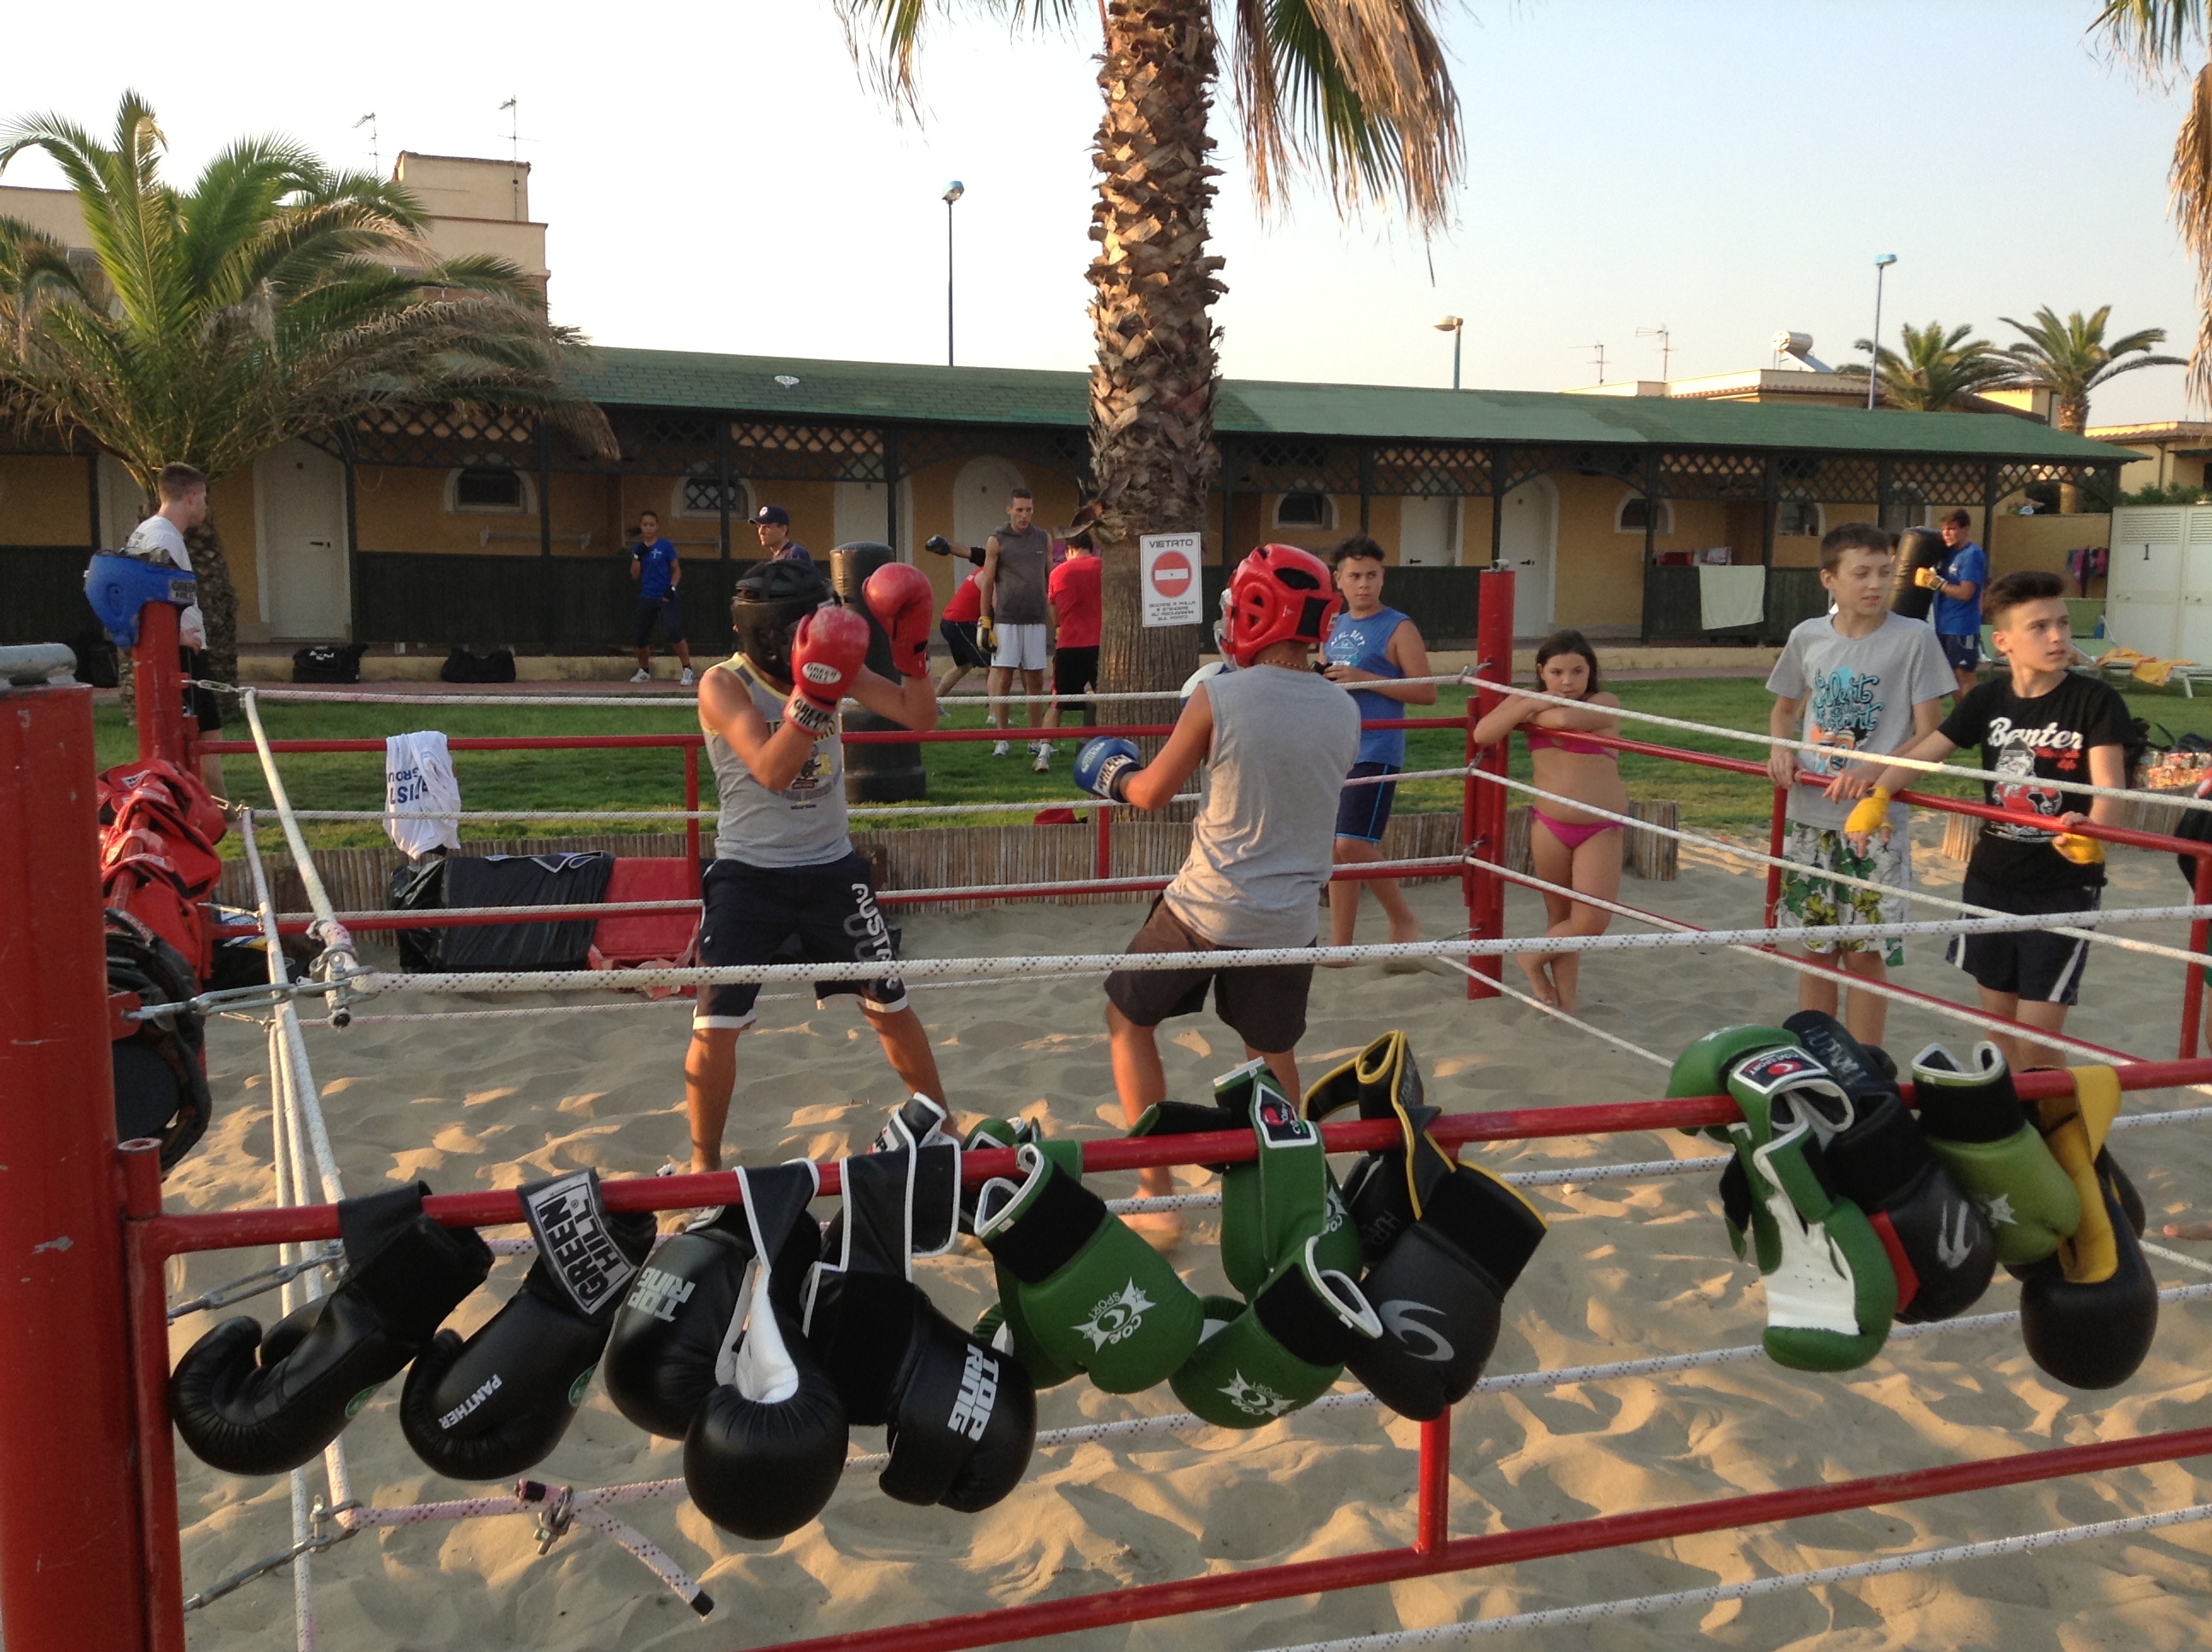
(769, 603)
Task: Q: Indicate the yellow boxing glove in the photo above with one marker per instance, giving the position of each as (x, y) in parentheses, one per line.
(986, 632)
(2082, 851)
(1870, 814)
(1926, 578)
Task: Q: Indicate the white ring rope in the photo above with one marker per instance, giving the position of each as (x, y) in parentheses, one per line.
(368, 982)
(1714, 1594)
(1861, 760)
(1761, 857)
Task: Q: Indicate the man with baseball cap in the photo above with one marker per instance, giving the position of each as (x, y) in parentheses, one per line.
(773, 524)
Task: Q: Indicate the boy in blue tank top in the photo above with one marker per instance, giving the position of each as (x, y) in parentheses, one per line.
(1372, 647)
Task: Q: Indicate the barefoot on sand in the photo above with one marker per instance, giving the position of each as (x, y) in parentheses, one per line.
(1539, 971)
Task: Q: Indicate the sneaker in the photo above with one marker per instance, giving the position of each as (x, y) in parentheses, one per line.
(1043, 749)
(1001, 749)
(641, 675)
(687, 679)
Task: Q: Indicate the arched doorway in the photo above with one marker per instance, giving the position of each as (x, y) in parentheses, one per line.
(1528, 544)
(979, 497)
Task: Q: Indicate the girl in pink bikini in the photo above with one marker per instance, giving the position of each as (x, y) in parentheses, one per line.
(1569, 845)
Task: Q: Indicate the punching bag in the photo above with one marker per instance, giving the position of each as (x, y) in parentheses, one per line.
(1919, 548)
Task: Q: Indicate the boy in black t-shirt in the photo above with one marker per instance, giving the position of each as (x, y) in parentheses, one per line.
(2038, 723)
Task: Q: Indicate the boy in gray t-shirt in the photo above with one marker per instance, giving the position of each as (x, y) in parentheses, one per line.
(1859, 680)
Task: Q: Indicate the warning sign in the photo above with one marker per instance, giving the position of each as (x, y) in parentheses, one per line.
(1169, 562)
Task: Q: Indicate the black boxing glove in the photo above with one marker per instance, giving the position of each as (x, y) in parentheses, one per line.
(667, 1337)
(766, 1448)
(1940, 1249)
(248, 1404)
(2087, 1313)
(1439, 1291)
(961, 1415)
(490, 1408)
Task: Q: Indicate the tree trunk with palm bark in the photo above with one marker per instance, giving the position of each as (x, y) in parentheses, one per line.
(218, 600)
(1153, 286)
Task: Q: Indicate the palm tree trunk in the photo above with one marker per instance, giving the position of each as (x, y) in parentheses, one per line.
(2073, 417)
(1153, 287)
(218, 600)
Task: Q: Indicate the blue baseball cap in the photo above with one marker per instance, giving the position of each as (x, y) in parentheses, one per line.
(768, 514)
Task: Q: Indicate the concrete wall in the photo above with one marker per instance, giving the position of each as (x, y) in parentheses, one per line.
(2022, 542)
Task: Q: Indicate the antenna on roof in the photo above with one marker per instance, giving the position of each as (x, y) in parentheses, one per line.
(376, 163)
(1600, 359)
(1666, 345)
(513, 129)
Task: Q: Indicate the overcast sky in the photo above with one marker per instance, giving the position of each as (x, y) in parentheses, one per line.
(716, 177)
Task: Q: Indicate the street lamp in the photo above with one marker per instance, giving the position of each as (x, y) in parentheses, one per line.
(1874, 370)
(953, 191)
(1454, 326)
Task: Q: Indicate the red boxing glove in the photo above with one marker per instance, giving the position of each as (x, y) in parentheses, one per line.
(899, 596)
(827, 653)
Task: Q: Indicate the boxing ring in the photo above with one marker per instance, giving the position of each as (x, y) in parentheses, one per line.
(104, 1291)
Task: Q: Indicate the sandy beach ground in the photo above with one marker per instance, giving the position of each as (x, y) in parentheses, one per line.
(1629, 1270)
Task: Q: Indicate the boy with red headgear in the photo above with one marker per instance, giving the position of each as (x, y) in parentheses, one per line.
(1278, 741)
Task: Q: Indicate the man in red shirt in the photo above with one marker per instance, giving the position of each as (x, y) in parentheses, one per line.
(957, 627)
(1075, 608)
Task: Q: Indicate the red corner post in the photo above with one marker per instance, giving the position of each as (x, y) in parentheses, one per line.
(1485, 804)
(2192, 977)
(158, 688)
(71, 1554)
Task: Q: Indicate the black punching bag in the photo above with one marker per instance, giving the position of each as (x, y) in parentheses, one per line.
(874, 773)
(1919, 548)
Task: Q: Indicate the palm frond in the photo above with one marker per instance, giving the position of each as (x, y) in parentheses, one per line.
(2154, 35)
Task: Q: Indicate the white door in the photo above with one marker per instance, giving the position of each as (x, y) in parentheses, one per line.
(1528, 543)
(300, 495)
(2143, 591)
(979, 498)
(1428, 532)
(862, 512)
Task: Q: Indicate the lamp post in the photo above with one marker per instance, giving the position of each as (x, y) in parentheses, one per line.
(1454, 326)
(953, 191)
(1873, 368)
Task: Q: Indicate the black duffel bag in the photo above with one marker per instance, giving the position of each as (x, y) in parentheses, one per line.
(328, 662)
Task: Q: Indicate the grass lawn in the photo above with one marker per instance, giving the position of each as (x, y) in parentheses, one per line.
(962, 772)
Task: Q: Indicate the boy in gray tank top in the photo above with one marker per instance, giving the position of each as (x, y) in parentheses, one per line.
(784, 864)
(1278, 741)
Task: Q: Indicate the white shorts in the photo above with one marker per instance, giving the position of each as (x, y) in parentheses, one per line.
(1021, 648)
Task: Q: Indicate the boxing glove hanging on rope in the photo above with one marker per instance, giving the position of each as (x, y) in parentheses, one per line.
(2087, 1313)
(671, 1332)
(248, 1403)
(1272, 1203)
(490, 1408)
(766, 1447)
(960, 1416)
(1093, 1294)
(1008, 1331)
(160, 1068)
(1941, 1251)
(1386, 1190)
(922, 1127)
(1283, 1351)
(1974, 1122)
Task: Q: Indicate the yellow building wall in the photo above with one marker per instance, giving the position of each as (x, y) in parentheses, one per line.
(45, 500)
(2024, 542)
(230, 512)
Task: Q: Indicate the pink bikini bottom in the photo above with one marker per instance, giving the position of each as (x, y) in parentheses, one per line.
(1573, 835)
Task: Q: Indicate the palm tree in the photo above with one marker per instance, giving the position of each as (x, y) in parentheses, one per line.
(2069, 359)
(274, 299)
(1937, 371)
(2163, 38)
(1358, 93)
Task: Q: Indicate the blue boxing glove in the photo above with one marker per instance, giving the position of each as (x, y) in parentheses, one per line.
(1104, 766)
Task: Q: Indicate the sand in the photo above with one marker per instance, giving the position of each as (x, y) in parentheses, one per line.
(1629, 1270)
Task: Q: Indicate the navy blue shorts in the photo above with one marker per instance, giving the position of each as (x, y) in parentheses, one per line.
(1362, 811)
(830, 910)
(1965, 653)
(2033, 964)
(960, 640)
(669, 616)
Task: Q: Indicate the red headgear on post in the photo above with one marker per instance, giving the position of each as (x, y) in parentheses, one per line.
(1278, 594)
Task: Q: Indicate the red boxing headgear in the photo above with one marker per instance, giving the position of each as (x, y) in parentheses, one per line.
(1278, 594)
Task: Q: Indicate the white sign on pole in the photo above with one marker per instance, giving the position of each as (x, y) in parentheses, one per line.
(1169, 566)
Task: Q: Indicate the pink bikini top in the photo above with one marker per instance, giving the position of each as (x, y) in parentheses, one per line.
(1544, 739)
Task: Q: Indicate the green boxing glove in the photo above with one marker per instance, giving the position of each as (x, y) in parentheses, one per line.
(1281, 1353)
(1094, 1295)
(1978, 1128)
(1010, 1333)
(1272, 1204)
(1702, 1069)
(1831, 1290)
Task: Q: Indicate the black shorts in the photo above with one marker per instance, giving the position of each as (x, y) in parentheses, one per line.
(204, 704)
(831, 910)
(960, 637)
(668, 615)
(1963, 653)
(1075, 671)
(1362, 811)
(1265, 1006)
(2033, 964)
